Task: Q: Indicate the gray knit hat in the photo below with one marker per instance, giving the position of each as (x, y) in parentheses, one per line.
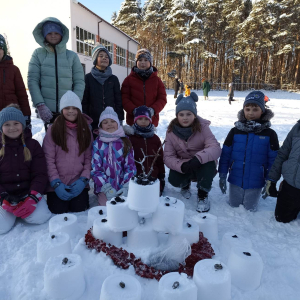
(256, 97)
(70, 99)
(95, 54)
(144, 53)
(11, 114)
(187, 103)
(109, 113)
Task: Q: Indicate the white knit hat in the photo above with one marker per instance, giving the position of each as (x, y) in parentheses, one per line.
(109, 113)
(70, 99)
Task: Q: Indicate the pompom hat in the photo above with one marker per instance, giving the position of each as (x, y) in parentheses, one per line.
(109, 113)
(11, 114)
(70, 99)
(187, 103)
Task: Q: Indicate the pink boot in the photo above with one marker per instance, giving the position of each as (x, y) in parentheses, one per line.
(102, 199)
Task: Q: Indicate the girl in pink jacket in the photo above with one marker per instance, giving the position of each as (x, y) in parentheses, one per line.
(191, 151)
(68, 150)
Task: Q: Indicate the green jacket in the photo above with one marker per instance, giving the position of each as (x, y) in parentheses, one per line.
(52, 72)
(287, 161)
(206, 88)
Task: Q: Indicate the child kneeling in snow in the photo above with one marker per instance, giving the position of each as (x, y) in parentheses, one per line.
(112, 159)
(191, 150)
(68, 149)
(143, 138)
(23, 172)
(248, 153)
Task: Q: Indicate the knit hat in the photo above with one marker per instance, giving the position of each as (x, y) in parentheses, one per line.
(11, 114)
(3, 44)
(144, 53)
(49, 27)
(70, 99)
(142, 112)
(256, 97)
(187, 103)
(109, 113)
(95, 54)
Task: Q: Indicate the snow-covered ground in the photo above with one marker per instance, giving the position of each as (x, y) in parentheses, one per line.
(21, 276)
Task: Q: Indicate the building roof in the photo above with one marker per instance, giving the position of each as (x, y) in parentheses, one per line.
(80, 4)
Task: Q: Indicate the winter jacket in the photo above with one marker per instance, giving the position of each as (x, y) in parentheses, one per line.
(67, 166)
(202, 144)
(287, 161)
(116, 170)
(231, 91)
(206, 88)
(97, 97)
(18, 177)
(137, 92)
(12, 88)
(53, 71)
(149, 146)
(248, 156)
(176, 85)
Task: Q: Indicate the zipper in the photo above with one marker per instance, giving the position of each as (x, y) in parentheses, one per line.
(296, 171)
(146, 153)
(231, 166)
(3, 76)
(244, 160)
(144, 87)
(103, 96)
(56, 76)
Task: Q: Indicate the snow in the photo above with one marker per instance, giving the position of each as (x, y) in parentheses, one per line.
(208, 224)
(189, 231)
(94, 213)
(64, 223)
(22, 276)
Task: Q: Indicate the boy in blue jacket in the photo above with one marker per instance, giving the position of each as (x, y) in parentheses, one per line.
(248, 153)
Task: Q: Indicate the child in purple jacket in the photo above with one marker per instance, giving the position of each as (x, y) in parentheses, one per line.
(113, 160)
(23, 179)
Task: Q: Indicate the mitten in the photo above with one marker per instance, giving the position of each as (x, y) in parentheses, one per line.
(61, 190)
(105, 188)
(185, 168)
(9, 202)
(111, 193)
(222, 183)
(124, 190)
(269, 189)
(194, 163)
(78, 186)
(152, 112)
(45, 113)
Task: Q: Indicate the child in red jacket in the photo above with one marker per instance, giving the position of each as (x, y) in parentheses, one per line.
(143, 138)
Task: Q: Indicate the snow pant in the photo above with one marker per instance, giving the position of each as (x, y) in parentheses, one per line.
(203, 175)
(40, 215)
(76, 204)
(249, 198)
(288, 203)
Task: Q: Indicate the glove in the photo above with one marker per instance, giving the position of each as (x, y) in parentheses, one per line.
(45, 113)
(269, 189)
(9, 202)
(185, 168)
(134, 111)
(152, 112)
(124, 190)
(26, 207)
(222, 183)
(78, 186)
(28, 122)
(105, 188)
(111, 193)
(61, 190)
(194, 163)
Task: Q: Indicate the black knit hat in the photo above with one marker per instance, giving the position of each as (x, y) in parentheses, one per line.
(3, 44)
(144, 53)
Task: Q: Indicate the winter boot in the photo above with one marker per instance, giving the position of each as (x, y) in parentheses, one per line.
(203, 202)
(185, 191)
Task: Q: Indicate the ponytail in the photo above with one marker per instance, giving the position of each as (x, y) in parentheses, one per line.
(2, 151)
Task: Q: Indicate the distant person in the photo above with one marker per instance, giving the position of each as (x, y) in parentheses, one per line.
(187, 90)
(181, 86)
(206, 88)
(230, 92)
(176, 86)
(267, 99)
(53, 70)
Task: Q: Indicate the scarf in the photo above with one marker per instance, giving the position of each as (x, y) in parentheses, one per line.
(252, 126)
(71, 125)
(145, 74)
(107, 137)
(145, 132)
(182, 132)
(101, 76)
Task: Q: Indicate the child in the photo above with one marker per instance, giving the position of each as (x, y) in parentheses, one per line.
(187, 90)
(23, 179)
(113, 160)
(287, 164)
(248, 153)
(142, 137)
(68, 149)
(12, 86)
(53, 70)
(206, 88)
(143, 87)
(190, 151)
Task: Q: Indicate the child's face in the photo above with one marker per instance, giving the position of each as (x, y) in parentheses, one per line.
(109, 125)
(12, 129)
(53, 38)
(185, 118)
(102, 60)
(143, 63)
(70, 113)
(143, 122)
(252, 112)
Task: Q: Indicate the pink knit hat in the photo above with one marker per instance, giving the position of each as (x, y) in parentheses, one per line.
(109, 113)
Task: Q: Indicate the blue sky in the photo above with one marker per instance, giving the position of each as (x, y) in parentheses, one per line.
(103, 8)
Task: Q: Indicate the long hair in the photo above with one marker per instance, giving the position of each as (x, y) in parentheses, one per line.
(59, 133)
(127, 146)
(196, 126)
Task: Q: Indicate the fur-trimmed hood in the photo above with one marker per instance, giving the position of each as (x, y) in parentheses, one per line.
(129, 130)
(265, 117)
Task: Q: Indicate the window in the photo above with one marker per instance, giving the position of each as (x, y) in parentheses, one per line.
(121, 58)
(108, 45)
(85, 41)
(131, 60)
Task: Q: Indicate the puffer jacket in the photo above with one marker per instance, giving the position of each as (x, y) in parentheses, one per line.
(67, 166)
(287, 161)
(110, 166)
(137, 92)
(248, 156)
(12, 88)
(53, 71)
(202, 144)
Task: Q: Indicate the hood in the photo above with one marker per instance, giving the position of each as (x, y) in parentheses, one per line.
(129, 130)
(203, 122)
(38, 35)
(7, 60)
(265, 117)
